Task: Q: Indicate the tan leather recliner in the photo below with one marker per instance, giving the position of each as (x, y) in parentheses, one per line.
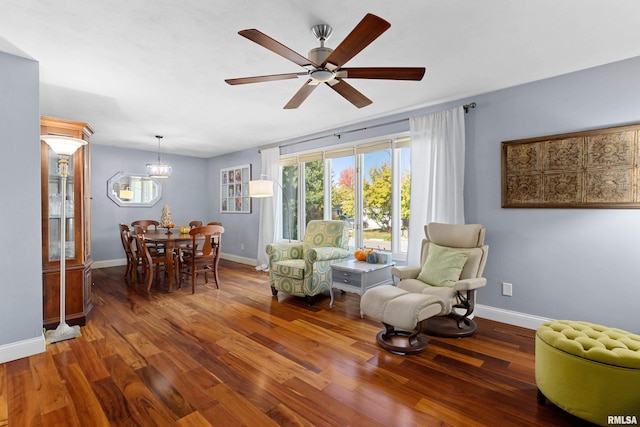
(458, 296)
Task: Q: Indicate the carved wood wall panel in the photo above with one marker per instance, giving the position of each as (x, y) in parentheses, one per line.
(591, 169)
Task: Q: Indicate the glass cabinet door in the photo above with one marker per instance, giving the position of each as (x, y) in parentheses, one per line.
(55, 208)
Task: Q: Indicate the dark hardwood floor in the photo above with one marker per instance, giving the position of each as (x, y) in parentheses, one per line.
(236, 356)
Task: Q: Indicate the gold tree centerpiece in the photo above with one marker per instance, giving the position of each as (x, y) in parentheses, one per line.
(165, 219)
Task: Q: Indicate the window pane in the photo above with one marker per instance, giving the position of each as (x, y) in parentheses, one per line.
(290, 202)
(314, 190)
(343, 185)
(376, 192)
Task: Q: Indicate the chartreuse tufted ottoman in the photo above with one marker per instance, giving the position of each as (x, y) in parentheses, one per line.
(590, 371)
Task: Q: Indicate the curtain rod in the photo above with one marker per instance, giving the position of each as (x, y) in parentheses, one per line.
(466, 108)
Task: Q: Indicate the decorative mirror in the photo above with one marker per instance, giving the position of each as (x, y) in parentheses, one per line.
(135, 190)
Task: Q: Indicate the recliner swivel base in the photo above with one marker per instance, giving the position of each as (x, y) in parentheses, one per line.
(449, 327)
(401, 342)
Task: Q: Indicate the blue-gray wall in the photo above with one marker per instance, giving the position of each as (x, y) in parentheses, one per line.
(20, 257)
(563, 263)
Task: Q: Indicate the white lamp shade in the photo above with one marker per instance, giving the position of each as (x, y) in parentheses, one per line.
(63, 144)
(261, 188)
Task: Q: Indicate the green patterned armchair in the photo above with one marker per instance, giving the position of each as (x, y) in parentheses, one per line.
(303, 268)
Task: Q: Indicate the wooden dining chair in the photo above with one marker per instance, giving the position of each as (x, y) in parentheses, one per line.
(145, 224)
(204, 254)
(192, 224)
(152, 263)
(129, 251)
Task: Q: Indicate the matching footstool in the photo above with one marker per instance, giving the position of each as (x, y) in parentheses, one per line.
(590, 371)
(397, 308)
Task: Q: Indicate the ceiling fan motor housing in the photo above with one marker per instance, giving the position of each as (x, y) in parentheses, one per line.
(319, 54)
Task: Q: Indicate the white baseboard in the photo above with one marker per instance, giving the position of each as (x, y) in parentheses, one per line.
(109, 263)
(123, 261)
(20, 349)
(515, 318)
(242, 260)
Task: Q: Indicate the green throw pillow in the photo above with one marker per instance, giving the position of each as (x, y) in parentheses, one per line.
(443, 266)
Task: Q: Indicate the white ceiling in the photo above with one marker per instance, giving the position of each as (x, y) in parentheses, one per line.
(135, 69)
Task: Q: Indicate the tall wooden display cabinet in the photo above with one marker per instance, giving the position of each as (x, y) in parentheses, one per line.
(78, 226)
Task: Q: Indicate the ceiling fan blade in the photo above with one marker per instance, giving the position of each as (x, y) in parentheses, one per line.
(258, 79)
(275, 46)
(302, 94)
(350, 93)
(369, 29)
(387, 73)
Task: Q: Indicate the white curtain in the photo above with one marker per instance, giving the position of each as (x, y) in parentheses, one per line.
(270, 224)
(437, 174)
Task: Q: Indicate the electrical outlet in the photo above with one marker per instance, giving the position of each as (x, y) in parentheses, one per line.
(507, 289)
(242, 246)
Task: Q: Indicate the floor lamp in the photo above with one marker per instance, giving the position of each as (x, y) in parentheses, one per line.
(263, 187)
(64, 147)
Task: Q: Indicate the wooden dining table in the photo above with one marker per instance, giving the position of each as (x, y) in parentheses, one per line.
(169, 241)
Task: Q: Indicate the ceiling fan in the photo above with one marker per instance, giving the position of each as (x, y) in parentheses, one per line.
(325, 65)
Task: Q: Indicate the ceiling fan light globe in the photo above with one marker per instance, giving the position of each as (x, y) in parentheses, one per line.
(323, 75)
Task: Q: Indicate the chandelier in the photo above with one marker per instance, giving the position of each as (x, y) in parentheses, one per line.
(159, 169)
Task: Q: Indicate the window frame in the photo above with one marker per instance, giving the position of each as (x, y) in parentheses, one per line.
(357, 149)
